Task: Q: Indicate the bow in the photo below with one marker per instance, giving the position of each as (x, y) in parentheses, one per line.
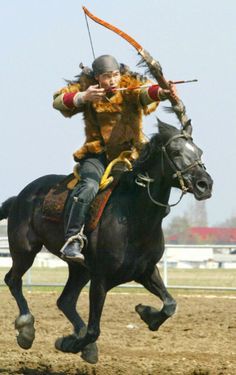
(154, 68)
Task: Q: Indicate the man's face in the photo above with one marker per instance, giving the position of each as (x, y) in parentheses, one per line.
(109, 80)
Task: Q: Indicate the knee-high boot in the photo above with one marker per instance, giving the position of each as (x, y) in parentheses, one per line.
(75, 239)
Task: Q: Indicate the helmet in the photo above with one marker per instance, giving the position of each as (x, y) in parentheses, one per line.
(104, 64)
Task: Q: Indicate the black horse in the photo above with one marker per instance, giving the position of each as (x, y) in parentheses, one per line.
(126, 245)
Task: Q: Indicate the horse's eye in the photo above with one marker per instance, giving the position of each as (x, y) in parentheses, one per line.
(175, 153)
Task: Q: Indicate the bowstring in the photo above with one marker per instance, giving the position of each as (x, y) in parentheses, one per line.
(90, 37)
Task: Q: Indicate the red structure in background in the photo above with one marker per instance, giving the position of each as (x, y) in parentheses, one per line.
(204, 235)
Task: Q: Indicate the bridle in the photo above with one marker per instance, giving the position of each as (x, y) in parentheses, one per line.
(145, 180)
(179, 173)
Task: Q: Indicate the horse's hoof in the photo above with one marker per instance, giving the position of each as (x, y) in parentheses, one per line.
(139, 308)
(23, 342)
(58, 343)
(143, 311)
(149, 315)
(66, 344)
(90, 354)
(25, 325)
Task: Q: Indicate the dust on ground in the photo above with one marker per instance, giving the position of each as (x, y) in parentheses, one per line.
(198, 340)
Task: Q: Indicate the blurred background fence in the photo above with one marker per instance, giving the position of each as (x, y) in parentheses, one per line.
(210, 267)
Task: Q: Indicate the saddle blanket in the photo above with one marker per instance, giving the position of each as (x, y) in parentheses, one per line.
(56, 199)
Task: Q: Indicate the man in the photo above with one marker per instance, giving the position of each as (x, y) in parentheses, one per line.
(113, 123)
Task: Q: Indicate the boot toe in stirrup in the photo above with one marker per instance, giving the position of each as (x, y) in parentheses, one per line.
(72, 252)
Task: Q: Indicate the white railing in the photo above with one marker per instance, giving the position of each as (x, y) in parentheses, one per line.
(205, 258)
(4, 243)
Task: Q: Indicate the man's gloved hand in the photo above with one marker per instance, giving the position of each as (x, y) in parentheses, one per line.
(170, 93)
(93, 94)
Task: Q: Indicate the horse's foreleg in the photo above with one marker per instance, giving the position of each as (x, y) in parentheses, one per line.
(25, 321)
(97, 296)
(154, 318)
(78, 278)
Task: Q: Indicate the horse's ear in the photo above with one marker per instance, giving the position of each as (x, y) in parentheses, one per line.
(165, 129)
(161, 125)
(188, 127)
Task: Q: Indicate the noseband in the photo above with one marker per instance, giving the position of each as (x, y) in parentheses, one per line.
(145, 180)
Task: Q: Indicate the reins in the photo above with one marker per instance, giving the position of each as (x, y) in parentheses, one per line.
(145, 181)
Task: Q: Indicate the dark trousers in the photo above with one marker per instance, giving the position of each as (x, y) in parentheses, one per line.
(91, 171)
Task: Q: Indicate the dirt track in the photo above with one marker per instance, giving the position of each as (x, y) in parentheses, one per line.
(198, 340)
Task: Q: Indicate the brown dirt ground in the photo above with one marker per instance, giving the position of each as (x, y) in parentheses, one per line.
(198, 340)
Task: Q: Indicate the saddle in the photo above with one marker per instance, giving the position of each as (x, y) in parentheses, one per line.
(56, 199)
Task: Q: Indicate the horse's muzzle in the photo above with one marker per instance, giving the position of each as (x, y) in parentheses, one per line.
(202, 187)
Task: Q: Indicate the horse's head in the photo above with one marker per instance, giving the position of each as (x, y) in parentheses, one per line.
(182, 161)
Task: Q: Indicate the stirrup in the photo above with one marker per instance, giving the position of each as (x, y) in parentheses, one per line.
(80, 236)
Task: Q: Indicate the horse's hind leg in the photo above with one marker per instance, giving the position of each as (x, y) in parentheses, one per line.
(153, 317)
(78, 278)
(24, 323)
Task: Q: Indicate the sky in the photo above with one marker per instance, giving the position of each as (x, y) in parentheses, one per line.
(44, 41)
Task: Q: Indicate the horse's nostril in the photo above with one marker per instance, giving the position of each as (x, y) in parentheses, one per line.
(202, 185)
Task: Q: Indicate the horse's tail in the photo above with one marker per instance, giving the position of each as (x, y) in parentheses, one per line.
(5, 208)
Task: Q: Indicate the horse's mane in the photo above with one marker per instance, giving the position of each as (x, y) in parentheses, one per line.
(148, 152)
(149, 155)
(152, 148)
